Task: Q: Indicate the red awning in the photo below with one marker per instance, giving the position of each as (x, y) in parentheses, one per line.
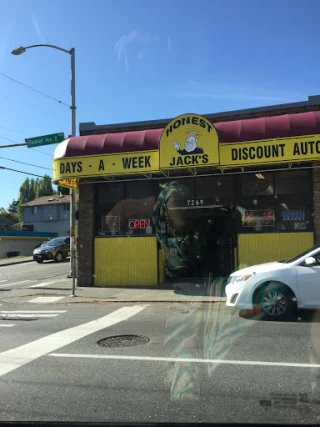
(235, 131)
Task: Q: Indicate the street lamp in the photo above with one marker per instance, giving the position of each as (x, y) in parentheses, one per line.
(71, 52)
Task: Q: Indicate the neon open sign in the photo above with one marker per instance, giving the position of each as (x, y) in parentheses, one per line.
(138, 224)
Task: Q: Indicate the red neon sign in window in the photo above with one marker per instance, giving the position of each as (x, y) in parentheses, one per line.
(138, 224)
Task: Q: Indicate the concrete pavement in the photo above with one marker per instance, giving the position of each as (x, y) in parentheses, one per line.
(60, 286)
(21, 284)
(15, 260)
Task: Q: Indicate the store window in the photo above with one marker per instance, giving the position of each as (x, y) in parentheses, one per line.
(258, 184)
(281, 203)
(293, 182)
(125, 209)
(214, 190)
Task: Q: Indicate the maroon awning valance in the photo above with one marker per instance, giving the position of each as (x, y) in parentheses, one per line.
(234, 131)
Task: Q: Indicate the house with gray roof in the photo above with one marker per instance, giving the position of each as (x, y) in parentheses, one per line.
(48, 214)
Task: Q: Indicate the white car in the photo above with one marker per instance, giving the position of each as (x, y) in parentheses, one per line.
(277, 289)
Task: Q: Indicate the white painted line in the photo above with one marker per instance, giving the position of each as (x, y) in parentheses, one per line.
(13, 359)
(180, 359)
(16, 283)
(27, 316)
(45, 299)
(3, 281)
(33, 311)
(6, 326)
(42, 285)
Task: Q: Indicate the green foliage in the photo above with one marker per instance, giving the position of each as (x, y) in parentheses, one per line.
(32, 189)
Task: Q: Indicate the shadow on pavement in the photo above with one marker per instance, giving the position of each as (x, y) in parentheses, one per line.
(197, 287)
(302, 316)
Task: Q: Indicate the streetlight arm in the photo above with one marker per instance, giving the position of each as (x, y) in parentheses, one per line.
(22, 49)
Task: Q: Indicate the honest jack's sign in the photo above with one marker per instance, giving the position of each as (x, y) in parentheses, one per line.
(189, 141)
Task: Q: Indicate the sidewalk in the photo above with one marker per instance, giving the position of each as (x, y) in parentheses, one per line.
(15, 260)
(62, 288)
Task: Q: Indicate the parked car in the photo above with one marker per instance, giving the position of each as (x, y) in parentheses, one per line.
(40, 244)
(278, 288)
(56, 249)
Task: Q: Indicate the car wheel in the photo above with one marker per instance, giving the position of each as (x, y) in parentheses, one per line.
(276, 302)
(58, 257)
(39, 261)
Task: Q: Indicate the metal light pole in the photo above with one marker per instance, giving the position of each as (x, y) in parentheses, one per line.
(73, 249)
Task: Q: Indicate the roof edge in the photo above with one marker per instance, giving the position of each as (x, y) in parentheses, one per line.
(92, 126)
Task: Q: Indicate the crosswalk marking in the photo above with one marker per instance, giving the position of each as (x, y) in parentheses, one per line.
(29, 314)
(7, 285)
(3, 280)
(19, 356)
(6, 326)
(42, 285)
(32, 311)
(45, 299)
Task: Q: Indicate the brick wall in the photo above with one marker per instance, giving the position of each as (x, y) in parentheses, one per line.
(86, 233)
(316, 201)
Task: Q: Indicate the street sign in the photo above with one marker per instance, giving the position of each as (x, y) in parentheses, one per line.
(54, 138)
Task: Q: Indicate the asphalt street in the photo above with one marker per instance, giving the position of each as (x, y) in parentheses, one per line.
(200, 362)
(27, 274)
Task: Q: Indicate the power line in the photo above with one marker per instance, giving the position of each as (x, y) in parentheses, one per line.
(13, 130)
(26, 173)
(24, 163)
(7, 139)
(42, 152)
(33, 89)
(24, 105)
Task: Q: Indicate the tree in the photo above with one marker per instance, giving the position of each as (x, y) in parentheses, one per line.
(32, 189)
(44, 187)
(13, 207)
(13, 216)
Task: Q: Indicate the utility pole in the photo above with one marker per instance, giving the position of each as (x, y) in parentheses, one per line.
(73, 192)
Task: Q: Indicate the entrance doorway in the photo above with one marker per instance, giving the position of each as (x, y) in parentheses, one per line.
(213, 234)
(197, 236)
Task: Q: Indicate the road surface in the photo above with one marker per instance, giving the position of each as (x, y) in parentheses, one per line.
(24, 275)
(200, 362)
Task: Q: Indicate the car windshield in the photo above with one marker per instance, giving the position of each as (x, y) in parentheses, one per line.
(302, 254)
(160, 159)
(55, 242)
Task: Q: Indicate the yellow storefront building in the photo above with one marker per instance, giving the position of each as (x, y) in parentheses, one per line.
(195, 196)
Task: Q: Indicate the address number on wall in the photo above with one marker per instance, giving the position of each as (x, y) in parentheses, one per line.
(195, 202)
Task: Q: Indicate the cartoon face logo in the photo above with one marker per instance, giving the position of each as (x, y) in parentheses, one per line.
(190, 145)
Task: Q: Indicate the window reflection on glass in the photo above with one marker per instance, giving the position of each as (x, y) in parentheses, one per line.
(125, 209)
(292, 182)
(258, 184)
(214, 190)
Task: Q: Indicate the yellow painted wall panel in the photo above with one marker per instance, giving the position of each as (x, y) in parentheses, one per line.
(125, 261)
(260, 248)
(162, 275)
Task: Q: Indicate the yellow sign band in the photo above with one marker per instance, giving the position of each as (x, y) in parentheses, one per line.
(107, 164)
(280, 150)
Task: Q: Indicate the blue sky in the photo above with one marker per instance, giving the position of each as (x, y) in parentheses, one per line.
(143, 59)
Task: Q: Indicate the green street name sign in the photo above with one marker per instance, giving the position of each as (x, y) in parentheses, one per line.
(55, 138)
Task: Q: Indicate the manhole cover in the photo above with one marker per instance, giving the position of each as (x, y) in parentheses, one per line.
(123, 341)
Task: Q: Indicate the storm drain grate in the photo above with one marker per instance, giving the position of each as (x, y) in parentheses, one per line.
(123, 341)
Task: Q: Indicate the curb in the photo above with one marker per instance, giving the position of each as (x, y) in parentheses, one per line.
(107, 301)
(14, 263)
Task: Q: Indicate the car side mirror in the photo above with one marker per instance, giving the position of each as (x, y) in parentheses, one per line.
(310, 261)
